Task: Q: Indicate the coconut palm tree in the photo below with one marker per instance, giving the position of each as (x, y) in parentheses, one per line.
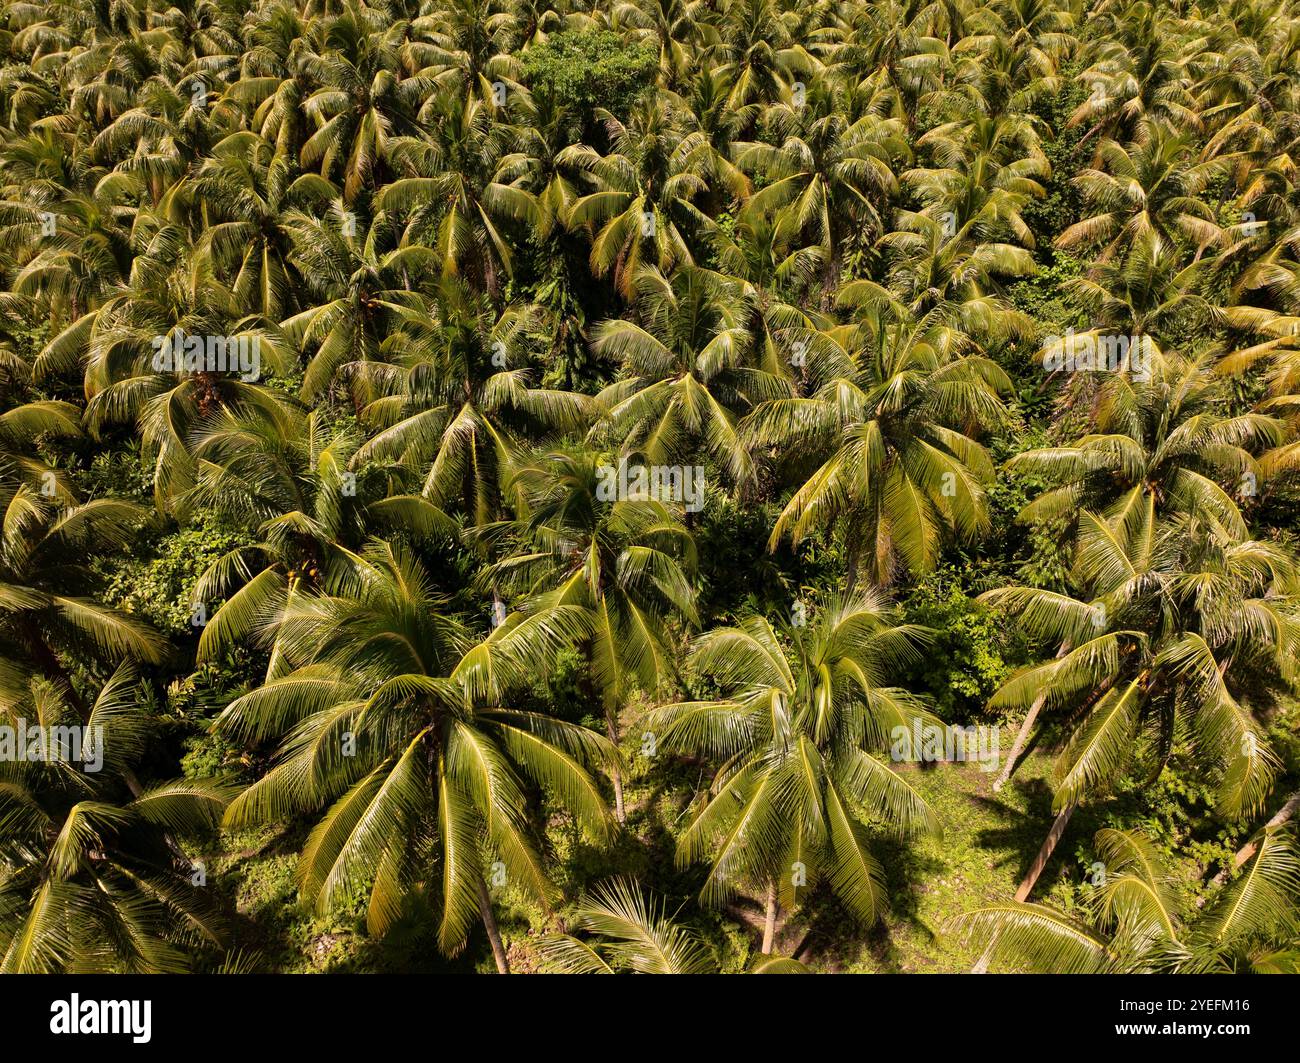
(1179, 628)
(395, 734)
(758, 53)
(886, 446)
(776, 284)
(22, 427)
(987, 170)
(277, 76)
(1148, 193)
(364, 99)
(1139, 926)
(625, 560)
(688, 371)
(826, 177)
(49, 616)
(464, 45)
(66, 224)
(1157, 435)
(938, 261)
(1135, 75)
(642, 209)
(1016, 53)
(800, 716)
(671, 26)
(632, 932)
(360, 287)
(456, 407)
(93, 881)
(460, 186)
(288, 483)
(249, 188)
(898, 59)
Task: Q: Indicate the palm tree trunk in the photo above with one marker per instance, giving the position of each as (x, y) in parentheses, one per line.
(1018, 746)
(1045, 853)
(1022, 738)
(47, 661)
(1251, 847)
(1035, 869)
(615, 773)
(853, 558)
(1087, 136)
(490, 925)
(769, 922)
(1058, 827)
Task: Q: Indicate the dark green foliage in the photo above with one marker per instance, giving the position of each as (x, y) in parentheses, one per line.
(493, 251)
(590, 69)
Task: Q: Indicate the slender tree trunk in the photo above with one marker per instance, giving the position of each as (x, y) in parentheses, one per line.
(1035, 869)
(1063, 817)
(1022, 738)
(853, 560)
(831, 276)
(769, 922)
(277, 665)
(1045, 853)
(1018, 746)
(1058, 826)
(615, 772)
(1088, 136)
(490, 925)
(47, 661)
(1252, 847)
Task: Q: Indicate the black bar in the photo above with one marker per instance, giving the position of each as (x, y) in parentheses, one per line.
(539, 1014)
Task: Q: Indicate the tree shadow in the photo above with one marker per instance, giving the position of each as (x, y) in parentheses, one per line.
(1025, 830)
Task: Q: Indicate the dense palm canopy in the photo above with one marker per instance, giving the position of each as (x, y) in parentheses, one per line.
(504, 473)
(624, 562)
(794, 739)
(893, 406)
(1139, 925)
(1179, 627)
(92, 882)
(396, 723)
